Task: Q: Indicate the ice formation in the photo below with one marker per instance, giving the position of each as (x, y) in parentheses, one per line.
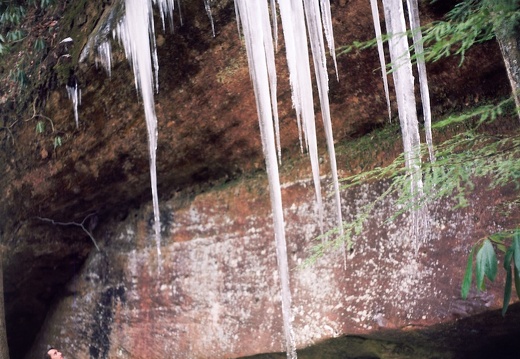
(415, 26)
(293, 24)
(104, 57)
(402, 73)
(404, 90)
(296, 16)
(314, 17)
(207, 6)
(254, 17)
(74, 94)
(136, 32)
(380, 50)
(403, 81)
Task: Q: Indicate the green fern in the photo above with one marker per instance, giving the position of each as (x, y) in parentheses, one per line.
(469, 23)
(19, 76)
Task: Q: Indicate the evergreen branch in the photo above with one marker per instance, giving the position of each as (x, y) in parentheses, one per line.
(460, 161)
(469, 23)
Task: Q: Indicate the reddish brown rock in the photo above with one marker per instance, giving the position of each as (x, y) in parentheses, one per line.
(217, 293)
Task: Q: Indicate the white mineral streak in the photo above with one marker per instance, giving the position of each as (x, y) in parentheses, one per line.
(313, 17)
(404, 89)
(415, 25)
(254, 16)
(295, 35)
(136, 33)
(75, 96)
(382, 62)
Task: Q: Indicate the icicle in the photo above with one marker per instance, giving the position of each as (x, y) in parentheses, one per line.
(104, 57)
(404, 89)
(207, 6)
(271, 68)
(295, 35)
(403, 77)
(166, 8)
(254, 18)
(75, 95)
(415, 25)
(377, 28)
(237, 15)
(275, 23)
(136, 33)
(329, 34)
(312, 15)
(154, 53)
(180, 11)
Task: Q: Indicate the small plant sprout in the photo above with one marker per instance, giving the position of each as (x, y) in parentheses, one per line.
(57, 142)
(40, 127)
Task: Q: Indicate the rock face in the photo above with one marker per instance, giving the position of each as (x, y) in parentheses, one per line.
(217, 292)
(217, 288)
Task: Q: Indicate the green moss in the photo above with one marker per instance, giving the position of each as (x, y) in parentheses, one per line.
(356, 347)
(63, 72)
(78, 22)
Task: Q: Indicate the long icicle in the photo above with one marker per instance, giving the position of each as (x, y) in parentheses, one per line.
(382, 62)
(295, 35)
(253, 14)
(313, 17)
(404, 89)
(329, 33)
(136, 32)
(415, 25)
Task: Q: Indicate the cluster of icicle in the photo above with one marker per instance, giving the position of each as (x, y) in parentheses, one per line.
(298, 18)
(135, 31)
(402, 70)
(404, 90)
(303, 22)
